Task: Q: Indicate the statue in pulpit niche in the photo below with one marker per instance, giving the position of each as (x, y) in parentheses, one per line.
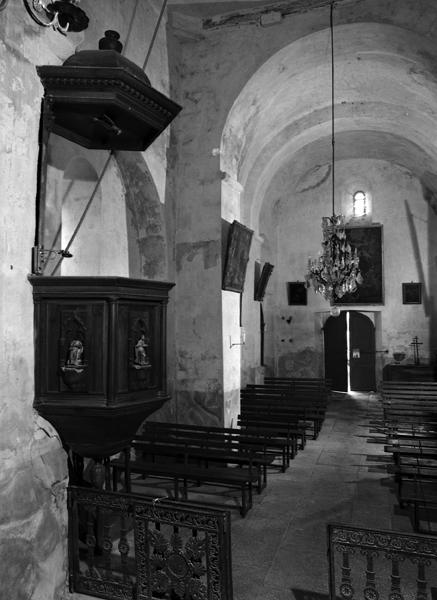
(141, 357)
(75, 354)
(73, 372)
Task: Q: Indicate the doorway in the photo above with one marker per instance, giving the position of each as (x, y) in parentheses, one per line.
(350, 352)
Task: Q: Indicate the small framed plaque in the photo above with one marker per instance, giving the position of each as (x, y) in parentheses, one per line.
(411, 293)
(297, 293)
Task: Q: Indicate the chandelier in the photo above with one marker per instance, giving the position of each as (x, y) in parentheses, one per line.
(335, 271)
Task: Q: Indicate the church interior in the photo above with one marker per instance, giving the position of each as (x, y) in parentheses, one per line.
(163, 255)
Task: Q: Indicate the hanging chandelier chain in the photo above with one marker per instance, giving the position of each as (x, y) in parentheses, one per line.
(336, 271)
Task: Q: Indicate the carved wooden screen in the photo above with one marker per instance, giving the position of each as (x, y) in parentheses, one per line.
(124, 546)
(375, 564)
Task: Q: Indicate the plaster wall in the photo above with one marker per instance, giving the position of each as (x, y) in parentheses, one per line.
(33, 478)
(409, 250)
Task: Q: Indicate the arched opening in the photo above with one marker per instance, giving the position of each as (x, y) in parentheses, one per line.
(276, 149)
(123, 232)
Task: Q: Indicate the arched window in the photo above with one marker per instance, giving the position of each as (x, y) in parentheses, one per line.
(359, 204)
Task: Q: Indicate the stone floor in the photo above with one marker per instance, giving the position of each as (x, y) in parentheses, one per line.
(279, 549)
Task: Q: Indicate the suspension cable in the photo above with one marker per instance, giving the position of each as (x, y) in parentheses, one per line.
(331, 23)
(155, 32)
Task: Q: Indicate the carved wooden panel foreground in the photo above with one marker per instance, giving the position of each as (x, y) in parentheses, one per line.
(129, 547)
(374, 565)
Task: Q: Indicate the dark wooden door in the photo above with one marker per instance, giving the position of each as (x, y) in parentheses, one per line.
(336, 352)
(362, 352)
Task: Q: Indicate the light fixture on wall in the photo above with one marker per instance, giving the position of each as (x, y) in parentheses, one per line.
(335, 271)
(41, 255)
(62, 15)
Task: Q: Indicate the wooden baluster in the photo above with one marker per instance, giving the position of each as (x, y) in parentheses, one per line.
(370, 591)
(395, 590)
(421, 581)
(346, 589)
(107, 466)
(91, 543)
(107, 543)
(123, 548)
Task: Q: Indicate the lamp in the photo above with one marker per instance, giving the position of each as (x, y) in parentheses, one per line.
(62, 15)
(336, 270)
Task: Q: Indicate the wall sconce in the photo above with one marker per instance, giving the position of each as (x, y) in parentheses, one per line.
(40, 257)
(62, 15)
(242, 341)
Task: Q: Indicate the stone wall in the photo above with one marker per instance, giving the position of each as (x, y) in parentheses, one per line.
(409, 253)
(33, 478)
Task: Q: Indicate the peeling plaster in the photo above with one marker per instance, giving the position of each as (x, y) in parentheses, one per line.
(314, 178)
(146, 225)
(209, 251)
(303, 363)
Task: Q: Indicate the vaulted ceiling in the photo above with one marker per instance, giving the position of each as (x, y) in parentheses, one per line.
(385, 87)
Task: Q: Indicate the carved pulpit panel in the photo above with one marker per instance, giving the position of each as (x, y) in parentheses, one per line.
(100, 357)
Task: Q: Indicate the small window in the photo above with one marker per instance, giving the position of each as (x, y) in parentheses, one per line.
(360, 204)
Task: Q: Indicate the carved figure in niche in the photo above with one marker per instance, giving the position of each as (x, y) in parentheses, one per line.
(141, 357)
(75, 354)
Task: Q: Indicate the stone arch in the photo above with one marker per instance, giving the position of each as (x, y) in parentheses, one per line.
(146, 231)
(280, 122)
(285, 106)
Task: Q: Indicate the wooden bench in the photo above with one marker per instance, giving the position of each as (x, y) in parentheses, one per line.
(412, 468)
(410, 425)
(257, 405)
(410, 451)
(408, 388)
(207, 452)
(309, 398)
(290, 433)
(421, 497)
(185, 471)
(301, 382)
(267, 446)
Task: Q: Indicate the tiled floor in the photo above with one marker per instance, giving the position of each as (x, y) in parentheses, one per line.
(279, 549)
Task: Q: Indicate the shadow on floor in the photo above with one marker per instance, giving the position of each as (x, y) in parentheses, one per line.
(307, 595)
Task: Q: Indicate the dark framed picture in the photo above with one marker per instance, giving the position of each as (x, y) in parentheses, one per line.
(297, 293)
(367, 240)
(237, 256)
(411, 293)
(261, 284)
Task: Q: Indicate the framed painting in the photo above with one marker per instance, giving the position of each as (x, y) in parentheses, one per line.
(411, 293)
(237, 257)
(261, 284)
(367, 239)
(256, 276)
(297, 293)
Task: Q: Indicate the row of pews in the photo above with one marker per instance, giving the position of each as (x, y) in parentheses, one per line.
(409, 422)
(274, 423)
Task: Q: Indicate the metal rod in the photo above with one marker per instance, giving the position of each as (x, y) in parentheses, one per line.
(129, 31)
(161, 14)
(87, 207)
(332, 108)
